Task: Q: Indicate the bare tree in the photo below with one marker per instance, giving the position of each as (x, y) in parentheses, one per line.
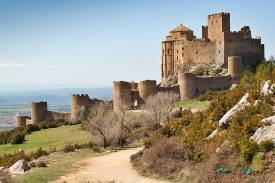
(159, 106)
(103, 122)
(122, 117)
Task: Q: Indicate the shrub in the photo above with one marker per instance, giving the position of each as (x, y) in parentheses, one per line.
(68, 148)
(258, 164)
(17, 139)
(38, 153)
(266, 145)
(248, 150)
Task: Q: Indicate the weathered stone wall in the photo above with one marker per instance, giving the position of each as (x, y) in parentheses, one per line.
(174, 89)
(191, 86)
(146, 88)
(77, 102)
(217, 24)
(235, 67)
(54, 115)
(122, 91)
(38, 111)
(21, 120)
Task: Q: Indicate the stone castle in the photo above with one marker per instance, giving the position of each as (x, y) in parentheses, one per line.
(181, 47)
(218, 45)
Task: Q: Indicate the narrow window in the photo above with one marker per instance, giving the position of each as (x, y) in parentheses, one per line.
(182, 48)
(177, 51)
(196, 52)
(168, 51)
(197, 90)
(177, 57)
(219, 51)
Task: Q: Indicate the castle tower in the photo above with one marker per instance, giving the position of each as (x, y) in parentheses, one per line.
(122, 92)
(38, 111)
(167, 60)
(217, 24)
(77, 102)
(235, 67)
(146, 88)
(21, 120)
(187, 84)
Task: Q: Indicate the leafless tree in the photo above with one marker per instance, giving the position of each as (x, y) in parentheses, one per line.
(122, 117)
(103, 122)
(159, 106)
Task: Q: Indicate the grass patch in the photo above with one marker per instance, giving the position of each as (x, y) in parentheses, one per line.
(58, 137)
(59, 164)
(199, 105)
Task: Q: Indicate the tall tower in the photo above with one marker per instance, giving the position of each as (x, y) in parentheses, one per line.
(122, 91)
(217, 24)
(38, 111)
(77, 102)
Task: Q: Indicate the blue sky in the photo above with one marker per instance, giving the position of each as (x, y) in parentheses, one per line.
(98, 42)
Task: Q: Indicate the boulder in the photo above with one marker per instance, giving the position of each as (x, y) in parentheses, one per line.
(22, 151)
(264, 133)
(213, 134)
(225, 120)
(19, 167)
(267, 88)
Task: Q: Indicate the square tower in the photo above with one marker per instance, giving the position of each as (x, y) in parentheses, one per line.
(217, 24)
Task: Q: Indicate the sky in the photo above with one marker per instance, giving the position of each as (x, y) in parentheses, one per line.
(96, 42)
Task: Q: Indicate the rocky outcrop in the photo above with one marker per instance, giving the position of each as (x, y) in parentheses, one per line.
(266, 132)
(19, 167)
(268, 88)
(225, 120)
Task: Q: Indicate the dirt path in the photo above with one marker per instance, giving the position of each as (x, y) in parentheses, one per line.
(113, 167)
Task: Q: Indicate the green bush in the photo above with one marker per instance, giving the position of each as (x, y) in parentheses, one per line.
(17, 139)
(258, 165)
(38, 153)
(266, 145)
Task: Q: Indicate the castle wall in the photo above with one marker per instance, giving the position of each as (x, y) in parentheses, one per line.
(122, 92)
(212, 83)
(174, 89)
(53, 115)
(21, 120)
(191, 86)
(77, 102)
(193, 52)
(217, 24)
(249, 49)
(38, 111)
(146, 88)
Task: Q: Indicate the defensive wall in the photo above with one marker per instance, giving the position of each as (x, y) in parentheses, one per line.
(39, 110)
(189, 86)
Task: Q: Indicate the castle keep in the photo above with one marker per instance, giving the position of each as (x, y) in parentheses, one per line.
(181, 47)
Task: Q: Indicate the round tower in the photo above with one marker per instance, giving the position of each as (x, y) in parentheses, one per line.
(187, 84)
(38, 111)
(21, 120)
(122, 92)
(77, 102)
(235, 67)
(146, 88)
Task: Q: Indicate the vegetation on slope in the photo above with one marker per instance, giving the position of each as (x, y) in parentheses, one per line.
(181, 150)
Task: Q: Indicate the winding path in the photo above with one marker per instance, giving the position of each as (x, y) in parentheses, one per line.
(113, 167)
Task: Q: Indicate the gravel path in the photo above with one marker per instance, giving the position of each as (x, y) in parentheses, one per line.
(113, 167)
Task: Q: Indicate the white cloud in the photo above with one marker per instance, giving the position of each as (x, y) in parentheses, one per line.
(52, 67)
(9, 65)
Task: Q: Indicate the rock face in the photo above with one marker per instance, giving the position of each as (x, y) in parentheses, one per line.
(267, 88)
(225, 120)
(19, 167)
(265, 132)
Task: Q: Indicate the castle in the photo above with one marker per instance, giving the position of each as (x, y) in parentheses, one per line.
(181, 47)
(231, 50)
(218, 45)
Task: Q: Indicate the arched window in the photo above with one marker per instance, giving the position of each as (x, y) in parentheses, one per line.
(168, 52)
